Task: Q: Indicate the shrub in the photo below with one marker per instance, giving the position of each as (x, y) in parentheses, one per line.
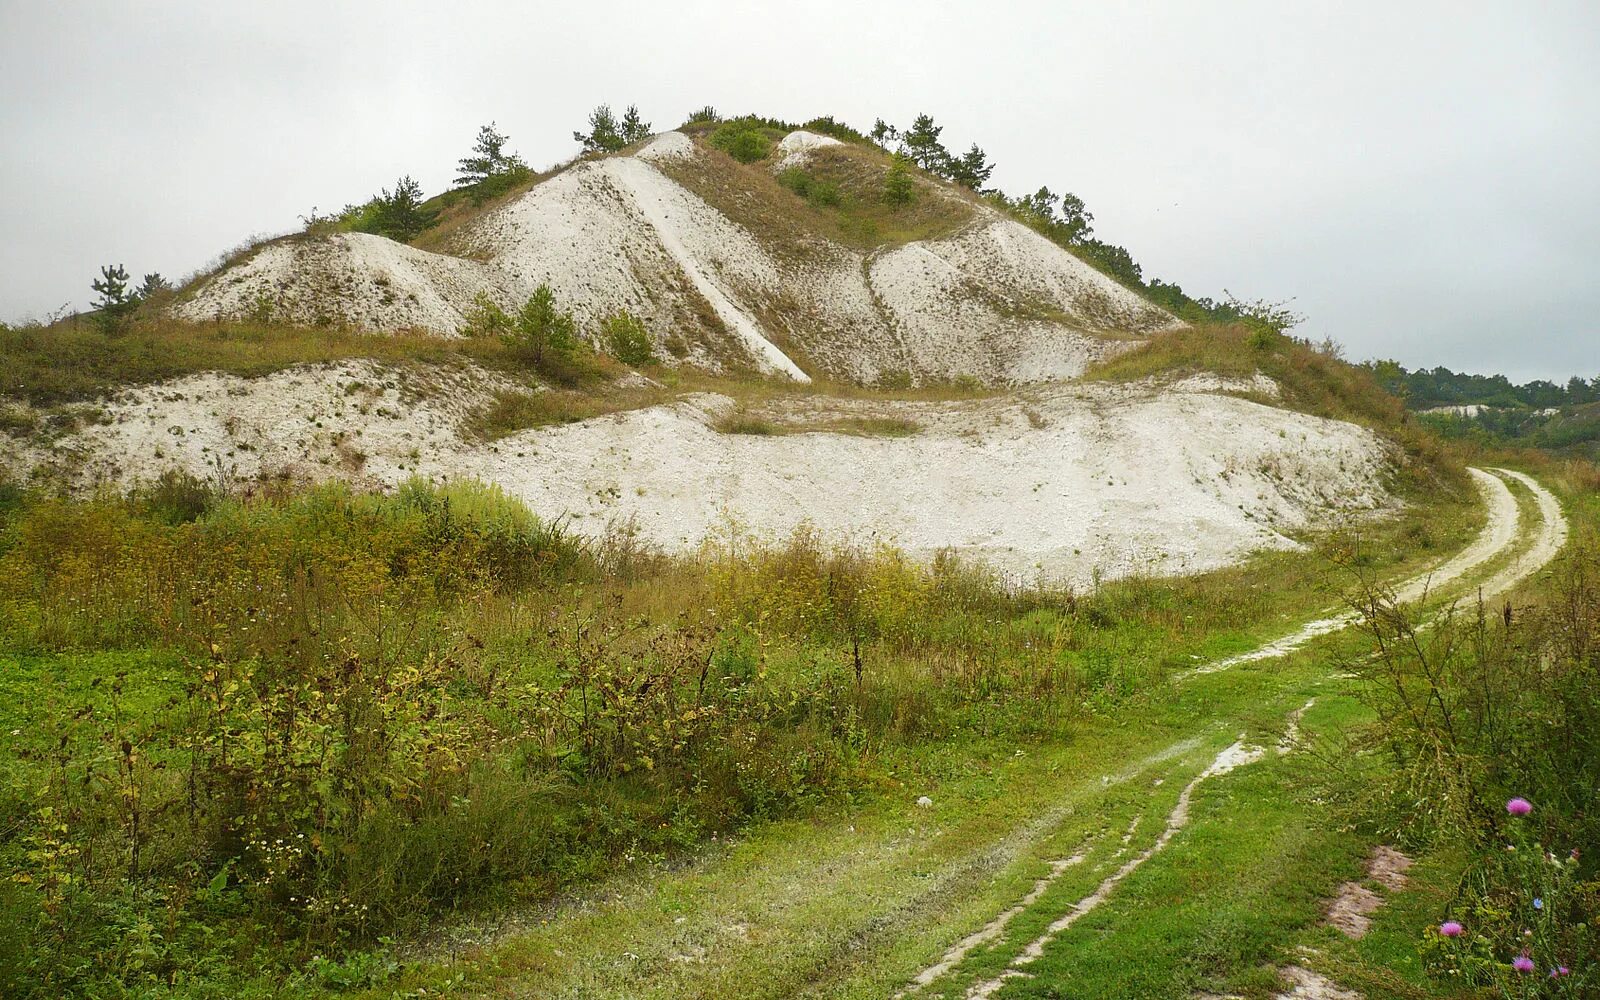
(545, 337)
(396, 214)
(826, 125)
(485, 318)
(178, 497)
(898, 186)
(628, 341)
(814, 190)
(606, 134)
(741, 142)
(705, 115)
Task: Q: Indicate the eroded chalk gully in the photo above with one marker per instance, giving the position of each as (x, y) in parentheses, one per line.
(1499, 534)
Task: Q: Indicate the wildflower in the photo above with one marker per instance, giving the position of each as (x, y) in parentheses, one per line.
(1519, 806)
(1522, 963)
(1538, 902)
(1451, 928)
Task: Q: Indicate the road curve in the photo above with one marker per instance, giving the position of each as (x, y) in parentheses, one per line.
(1498, 535)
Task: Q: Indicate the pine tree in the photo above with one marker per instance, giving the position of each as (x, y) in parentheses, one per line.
(898, 187)
(883, 133)
(923, 146)
(398, 214)
(114, 302)
(634, 127)
(154, 284)
(972, 170)
(488, 159)
(605, 134)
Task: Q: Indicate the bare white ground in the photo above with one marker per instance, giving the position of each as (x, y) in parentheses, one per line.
(995, 300)
(1309, 985)
(796, 147)
(662, 207)
(367, 281)
(1498, 534)
(1234, 756)
(1291, 733)
(1069, 484)
(1547, 544)
(667, 146)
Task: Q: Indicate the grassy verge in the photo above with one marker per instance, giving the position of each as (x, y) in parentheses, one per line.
(457, 709)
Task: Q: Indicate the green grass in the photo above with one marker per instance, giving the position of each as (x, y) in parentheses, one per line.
(960, 675)
(73, 360)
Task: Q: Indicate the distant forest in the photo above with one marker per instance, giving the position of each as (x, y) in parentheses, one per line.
(1426, 388)
(1537, 414)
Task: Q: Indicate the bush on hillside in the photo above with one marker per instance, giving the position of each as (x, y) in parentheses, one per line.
(898, 186)
(628, 341)
(545, 337)
(396, 214)
(743, 144)
(813, 189)
(485, 318)
(826, 125)
(607, 134)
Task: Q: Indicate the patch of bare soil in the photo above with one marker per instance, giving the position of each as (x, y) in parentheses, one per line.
(1352, 908)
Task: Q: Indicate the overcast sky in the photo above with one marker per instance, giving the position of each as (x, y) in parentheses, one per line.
(1422, 179)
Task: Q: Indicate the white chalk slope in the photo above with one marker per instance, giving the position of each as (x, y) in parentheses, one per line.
(1068, 481)
(994, 300)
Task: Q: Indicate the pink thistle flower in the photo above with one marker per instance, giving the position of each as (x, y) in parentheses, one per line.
(1519, 806)
(1451, 928)
(1522, 963)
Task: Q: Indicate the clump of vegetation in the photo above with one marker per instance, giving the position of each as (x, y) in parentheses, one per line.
(607, 134)
(489, 171)
(820, 193)
(546, 337)
(628, 341)
(898, 186)
(539, 335)
(398, 214)
(703, 116)
(876, 426)
(1486, 741)
(741, 141)
(116, 303)
(741, 421)
(749, 138)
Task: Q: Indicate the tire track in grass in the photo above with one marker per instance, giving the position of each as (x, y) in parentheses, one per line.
(1498, 534)
(1235, 755)
(1548, 542)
